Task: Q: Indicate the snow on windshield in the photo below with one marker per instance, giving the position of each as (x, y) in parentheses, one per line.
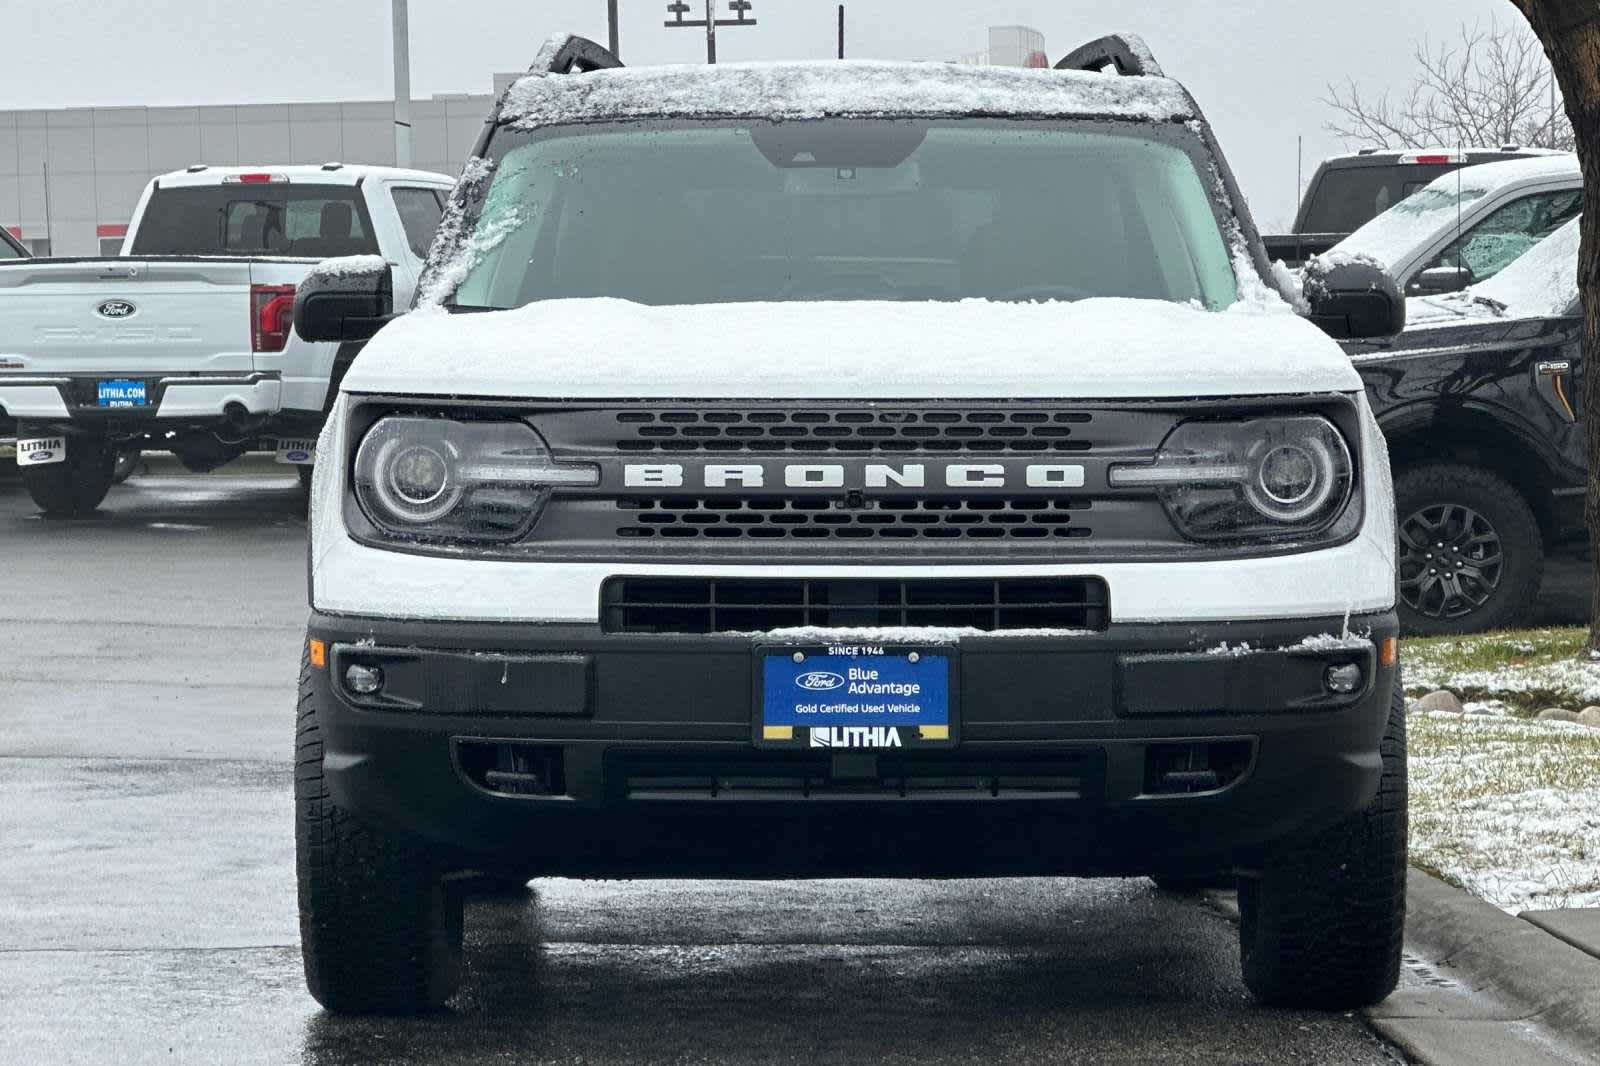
(1398, 232)
(1544, 281)
(1414, 221)
(842, 89)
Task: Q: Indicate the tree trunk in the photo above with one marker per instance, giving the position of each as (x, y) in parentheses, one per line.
(1570, 33)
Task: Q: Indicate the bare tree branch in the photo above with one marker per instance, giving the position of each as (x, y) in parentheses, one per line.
(1485, 88)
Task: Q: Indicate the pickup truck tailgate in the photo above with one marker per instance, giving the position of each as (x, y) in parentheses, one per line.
(76, 316)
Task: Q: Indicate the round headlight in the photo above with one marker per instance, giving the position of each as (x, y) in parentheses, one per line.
(1294, 478)
(479, 481)
(412, 481)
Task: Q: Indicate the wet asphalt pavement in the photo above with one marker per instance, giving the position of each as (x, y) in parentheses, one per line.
(147, 669)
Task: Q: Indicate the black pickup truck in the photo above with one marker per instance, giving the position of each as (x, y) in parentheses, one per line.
(1479, 400)
(1348, 191)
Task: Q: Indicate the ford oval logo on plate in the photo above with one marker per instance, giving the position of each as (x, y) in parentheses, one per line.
(819, 681)
(116, 309)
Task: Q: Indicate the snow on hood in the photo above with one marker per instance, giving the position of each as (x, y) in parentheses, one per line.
(613, 349)
(853, 88)
(1541, 283)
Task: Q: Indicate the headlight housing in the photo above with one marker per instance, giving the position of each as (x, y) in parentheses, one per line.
(449, 480)
(1259, 479)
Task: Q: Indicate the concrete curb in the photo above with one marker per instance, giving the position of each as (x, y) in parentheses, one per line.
(1544, 979)
(1495, 990)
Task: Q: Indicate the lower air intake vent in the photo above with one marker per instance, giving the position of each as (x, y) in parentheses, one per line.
(942, 776)
(734, 605)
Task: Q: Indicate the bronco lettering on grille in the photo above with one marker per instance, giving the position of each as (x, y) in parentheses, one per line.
(1044, 476)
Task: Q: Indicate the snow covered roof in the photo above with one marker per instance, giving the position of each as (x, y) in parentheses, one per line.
(309, 173)
(851, 88)
(1090, 349)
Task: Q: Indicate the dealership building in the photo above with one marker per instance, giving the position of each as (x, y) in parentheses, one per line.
(70, 178)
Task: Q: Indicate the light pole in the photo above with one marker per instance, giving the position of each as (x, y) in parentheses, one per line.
(679, 8)
(611, 23)
(402, 85)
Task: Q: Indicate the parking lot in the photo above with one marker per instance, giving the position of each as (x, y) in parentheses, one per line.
(147, 906)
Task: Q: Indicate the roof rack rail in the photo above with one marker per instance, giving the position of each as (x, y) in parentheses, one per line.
(1123, 53)
(567, 53)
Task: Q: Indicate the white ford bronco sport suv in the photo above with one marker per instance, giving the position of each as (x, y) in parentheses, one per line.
(855, 469)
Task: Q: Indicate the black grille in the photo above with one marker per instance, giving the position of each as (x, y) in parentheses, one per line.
(858, 431)
(942, 775)
(800, 518)
(735, 605)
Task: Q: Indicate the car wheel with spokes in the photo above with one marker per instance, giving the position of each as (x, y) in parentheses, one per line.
(1470, 553)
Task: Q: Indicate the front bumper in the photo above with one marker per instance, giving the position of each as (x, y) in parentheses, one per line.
(555, 749)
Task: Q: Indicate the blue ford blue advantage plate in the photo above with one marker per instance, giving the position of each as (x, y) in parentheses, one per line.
(120, 392)
(860, 696)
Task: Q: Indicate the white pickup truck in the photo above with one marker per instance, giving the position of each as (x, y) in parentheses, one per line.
(183, 343)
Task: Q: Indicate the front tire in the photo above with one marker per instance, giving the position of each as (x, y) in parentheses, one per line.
(380, 930)
(1470, 550)
(1322, 923)
(78, 484)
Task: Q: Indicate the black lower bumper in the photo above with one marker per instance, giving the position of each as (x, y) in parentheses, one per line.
(559, 750)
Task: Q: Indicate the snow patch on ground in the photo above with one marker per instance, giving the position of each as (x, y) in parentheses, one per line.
(1567, 682)
(1507, 808)
(794, 91)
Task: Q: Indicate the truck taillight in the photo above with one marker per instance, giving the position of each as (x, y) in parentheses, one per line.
(271, 317)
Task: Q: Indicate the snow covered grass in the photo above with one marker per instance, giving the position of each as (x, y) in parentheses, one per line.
(1527, 670)
(1507, 809)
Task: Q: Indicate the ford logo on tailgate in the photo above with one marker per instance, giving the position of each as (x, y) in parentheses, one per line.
(116, 309)
(819, 681)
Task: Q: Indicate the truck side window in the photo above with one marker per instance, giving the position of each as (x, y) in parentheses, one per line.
(1496, 242)
(420, 211)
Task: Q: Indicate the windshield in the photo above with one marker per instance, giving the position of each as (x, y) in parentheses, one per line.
(843, 210)
(1543, 282)
(1402, 229)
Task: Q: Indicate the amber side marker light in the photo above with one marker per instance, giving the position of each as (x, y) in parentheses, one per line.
(319, 654)
(1389, 651)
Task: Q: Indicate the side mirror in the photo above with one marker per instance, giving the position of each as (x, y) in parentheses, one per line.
(1353, 297)
(344, 299)
(1437, 280)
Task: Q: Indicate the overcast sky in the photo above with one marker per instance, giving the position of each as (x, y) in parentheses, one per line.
(1257, 67)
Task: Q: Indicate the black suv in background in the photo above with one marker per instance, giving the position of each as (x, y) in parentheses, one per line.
(1348, 191)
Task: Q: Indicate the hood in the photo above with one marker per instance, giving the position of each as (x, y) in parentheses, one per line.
(975, 349)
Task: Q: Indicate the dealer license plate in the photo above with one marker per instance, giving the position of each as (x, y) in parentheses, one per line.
(120, 392)
(855, 696)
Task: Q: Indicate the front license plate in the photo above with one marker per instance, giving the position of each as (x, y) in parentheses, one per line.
(297, 452)
(41, 451)
(855, 696)
(120, 392)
